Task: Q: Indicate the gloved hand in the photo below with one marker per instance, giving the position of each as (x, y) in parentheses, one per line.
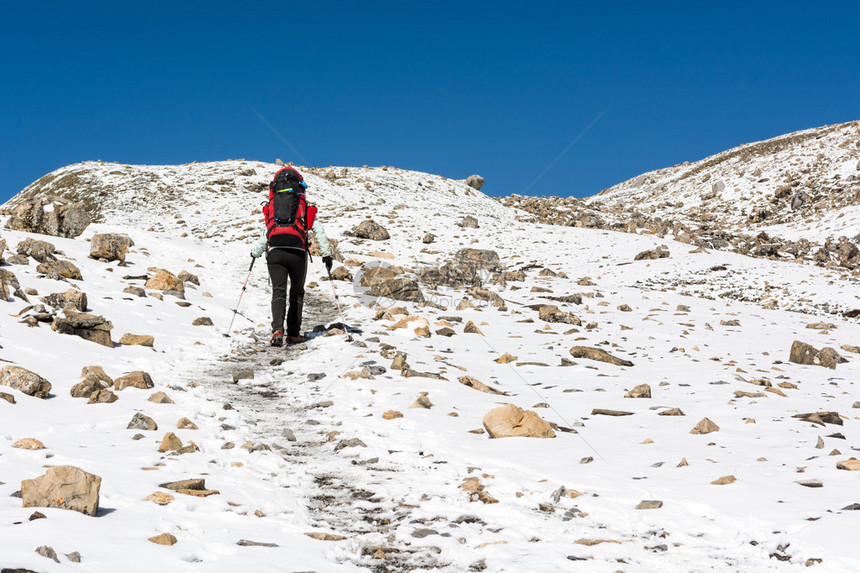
(327, 262)
(258, 250)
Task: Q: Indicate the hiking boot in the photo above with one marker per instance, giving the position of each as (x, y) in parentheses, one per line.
(295, 339)
(277, 338)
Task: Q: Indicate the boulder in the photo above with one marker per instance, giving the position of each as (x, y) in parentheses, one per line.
(398, 289)
(188, 278)
(98, 372)
(482, 258)
(88, 326)
(164, 280)
(372, 230)
(53, 216)
(202, 321)
(71, 299)
(63, 487)
(829, 358)
(24, 381)
(428, 238)
(57, 270)
(110, 247)
(137, 379)
(471, 328)
(102, 397)
(597, 354)
(41, 251)
(475, 182)
(479, 386)
(341, 274)
(510, 421)
(379, 273)
(142, 422)
(705, 426)
(803, 353)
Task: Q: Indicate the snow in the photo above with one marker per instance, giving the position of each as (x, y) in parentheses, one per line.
(421, 458)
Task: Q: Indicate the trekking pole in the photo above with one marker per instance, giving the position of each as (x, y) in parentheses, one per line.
(244, 286)
(337, 301)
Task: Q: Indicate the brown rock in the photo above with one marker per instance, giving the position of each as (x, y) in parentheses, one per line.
(650, 504)
(391, 415)
(372, 230)
(185, 424)
(141, 422)
(605, 412)
(829, 358)
(672, 412)
(598, 354)
(170, 443)
(110, 246)
(87, 387)
(188, 278)
(480, 386)
(378, 274)
(820, 418)
(202, 321)
(705, 426)
(725, 480)
(29, 444)
(422, 402)
(61, 219)
(640, 391)
(164, 280)
(24, 381)
(851, 465)
(550, 313)
(59, 269)
(658, 253)
(398, 289)
(102, 397)
(71, 299)
(159, 498)
(511, 421)
(325, 536)
(164, 539)
(137, 340)
(506, 358)
(63, 487)
(137, 379)
(803, 353)
(41, 251)
(87, 326)
(7, 397)
(470, 328)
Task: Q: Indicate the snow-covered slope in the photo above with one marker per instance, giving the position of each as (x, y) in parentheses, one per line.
(791, 197)
(324, 439)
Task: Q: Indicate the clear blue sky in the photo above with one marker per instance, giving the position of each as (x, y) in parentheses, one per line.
(453, 88)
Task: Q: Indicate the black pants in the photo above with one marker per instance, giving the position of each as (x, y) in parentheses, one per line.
(283, 264)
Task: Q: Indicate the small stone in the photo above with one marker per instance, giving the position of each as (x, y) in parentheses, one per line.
(164, 539)
(202, 321)
(506, 358)
(186, 424)
(8, 397)
(350, 443)
(672, 412)
(102, 397)
(470, 328)
(811, 483)
(725, 480)
(605, 412)
(391, 415)
(29, 444)
(511, 421)
(74, 557)
(650, 504)
(243, 374)
(160, 398)
(325, 536)
(159, 498)
(640, 391)
(37, 515)
(851, 465)
(422, 402)
(48, 552)
(141, 422)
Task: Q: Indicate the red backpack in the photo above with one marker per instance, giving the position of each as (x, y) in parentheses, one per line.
(288, 215)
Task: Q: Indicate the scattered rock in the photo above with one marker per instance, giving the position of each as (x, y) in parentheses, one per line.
(71, 299)
(87, 326)
(170, 442)
(428, 238)
(164, 280)
(422, 402)
(829, 358)
(598, 354)
(164, 539)
(371, 230)
(102, 397)
(803, 353)
(725, 480)
(243, 374)
(202, 321)
(325, 536)
(25, 381)
(159, 498)
(475, 182)
(649, 504)
(658, 253)
(672, 412)
(48, 552)
(404, 289)
(391, 415)
(480, 386)
(705, 426)
(29, 444)
(640, 391)
(58, 270)
(161, 398)
(141, 422)
(128, 339)
(605, 412)
(506, 358)
(63, 487)
(137, 379)
(550, 313)
(350, 443)
(470, 328)
(820, 418)
(188, 278)
(110, 247)
(41, 251)
(185, 424)
(511, 421)
(851, 465)
(468, 222)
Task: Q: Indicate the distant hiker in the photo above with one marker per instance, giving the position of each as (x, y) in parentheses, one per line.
(289, 217)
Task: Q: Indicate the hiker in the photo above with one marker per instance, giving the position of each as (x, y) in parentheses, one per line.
(288, 218)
